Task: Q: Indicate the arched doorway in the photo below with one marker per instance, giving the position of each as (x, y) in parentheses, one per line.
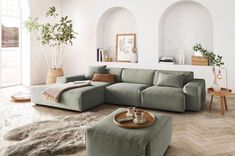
(10, 53)
(13, 54)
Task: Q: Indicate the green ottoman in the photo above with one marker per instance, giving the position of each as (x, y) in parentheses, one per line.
(107, 139)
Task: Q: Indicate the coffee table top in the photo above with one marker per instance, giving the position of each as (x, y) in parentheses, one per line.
(222, 92)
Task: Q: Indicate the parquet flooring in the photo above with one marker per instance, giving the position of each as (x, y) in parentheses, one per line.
(205, 133)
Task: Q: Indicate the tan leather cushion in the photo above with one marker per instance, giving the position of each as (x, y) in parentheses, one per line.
(104, 77)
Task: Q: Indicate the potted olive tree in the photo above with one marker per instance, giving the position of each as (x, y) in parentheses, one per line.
(57, 33)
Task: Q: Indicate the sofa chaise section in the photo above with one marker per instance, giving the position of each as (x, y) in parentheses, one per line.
(78, 99)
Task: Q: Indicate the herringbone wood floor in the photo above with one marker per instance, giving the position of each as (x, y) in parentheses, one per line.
(204, 133)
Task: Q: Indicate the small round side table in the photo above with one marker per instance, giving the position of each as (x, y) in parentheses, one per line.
(222, 93)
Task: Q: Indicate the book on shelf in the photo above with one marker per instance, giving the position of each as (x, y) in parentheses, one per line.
(103, 55)
(98, 54)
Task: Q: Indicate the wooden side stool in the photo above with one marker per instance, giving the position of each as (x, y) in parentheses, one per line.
(222, 93)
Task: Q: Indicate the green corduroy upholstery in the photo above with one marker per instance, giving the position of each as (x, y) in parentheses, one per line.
(124, 93)
(195, 94)
(107, 139)
(164, 98)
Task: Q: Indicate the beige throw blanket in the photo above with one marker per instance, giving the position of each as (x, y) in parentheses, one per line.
(53, 93)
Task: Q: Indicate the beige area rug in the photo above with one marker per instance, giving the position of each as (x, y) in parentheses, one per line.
(61, 136)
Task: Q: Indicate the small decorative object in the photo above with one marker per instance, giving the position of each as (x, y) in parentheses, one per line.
(181, 56)
(21, 97)
(214, 60)
(167, 60)
(133, 56)
(56, 33)
(200, 61)
(139, 117)
(125, 46)
(130, 111)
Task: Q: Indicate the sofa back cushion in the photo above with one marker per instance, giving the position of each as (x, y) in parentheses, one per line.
(143, 76)
(104, 78)
(115, 71)
(187, 75)
(170, 80)
(95, 69)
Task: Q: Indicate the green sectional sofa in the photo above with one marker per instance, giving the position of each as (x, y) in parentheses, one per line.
(175, 91)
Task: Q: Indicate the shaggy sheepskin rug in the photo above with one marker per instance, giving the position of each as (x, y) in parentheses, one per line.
(61, 136)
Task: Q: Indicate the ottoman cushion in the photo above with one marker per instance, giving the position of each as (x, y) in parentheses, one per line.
(107, 139)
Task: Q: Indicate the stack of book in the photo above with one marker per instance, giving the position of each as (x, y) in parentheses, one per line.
(167, 60)
(103, 55)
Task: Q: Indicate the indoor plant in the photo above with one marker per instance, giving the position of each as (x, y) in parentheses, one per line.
(214, 60)
(56, 33)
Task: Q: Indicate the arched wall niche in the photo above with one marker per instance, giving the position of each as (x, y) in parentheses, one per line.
(183, 24)
(116, 20)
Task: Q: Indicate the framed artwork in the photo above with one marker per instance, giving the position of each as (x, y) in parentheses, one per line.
(125, 47)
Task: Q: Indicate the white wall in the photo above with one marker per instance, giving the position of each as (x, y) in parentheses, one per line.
(86, 14)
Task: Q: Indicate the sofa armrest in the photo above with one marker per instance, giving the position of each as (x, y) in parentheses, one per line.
(195, 94)
(65, 79)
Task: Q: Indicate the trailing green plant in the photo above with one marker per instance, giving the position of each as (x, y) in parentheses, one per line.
(213, 58)
(55, 33)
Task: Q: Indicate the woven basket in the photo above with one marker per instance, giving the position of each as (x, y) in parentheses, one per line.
(52, 74)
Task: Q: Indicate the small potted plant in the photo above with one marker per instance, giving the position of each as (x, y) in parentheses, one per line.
(214, 60)
(56, 33)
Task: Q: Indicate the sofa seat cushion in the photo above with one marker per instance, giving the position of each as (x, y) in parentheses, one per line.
(164, 98)
(79, 99)
(125, 93)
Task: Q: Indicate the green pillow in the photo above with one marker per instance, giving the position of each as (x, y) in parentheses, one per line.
(170, 80)
(95, 69)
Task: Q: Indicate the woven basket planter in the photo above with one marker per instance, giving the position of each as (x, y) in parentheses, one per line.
(52, 74)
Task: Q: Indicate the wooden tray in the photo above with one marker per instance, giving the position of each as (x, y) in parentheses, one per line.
(149, 117)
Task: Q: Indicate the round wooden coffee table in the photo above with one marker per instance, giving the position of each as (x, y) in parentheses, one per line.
(222, 93)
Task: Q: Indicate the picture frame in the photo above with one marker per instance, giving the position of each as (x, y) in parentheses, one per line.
(125, 47)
